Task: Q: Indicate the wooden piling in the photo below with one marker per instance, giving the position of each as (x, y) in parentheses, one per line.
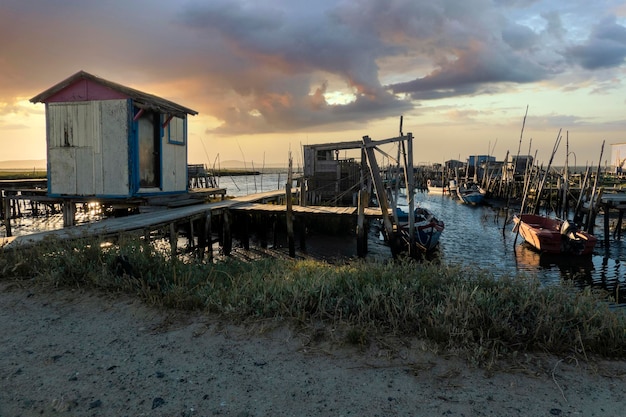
(245, 238)
(227, 246)
(207, 233)
(289, 211)
(69, 213)
(7, 215)
(361, 236)
(173, 239)
(617, 233)
(289, 216)
(191, 238)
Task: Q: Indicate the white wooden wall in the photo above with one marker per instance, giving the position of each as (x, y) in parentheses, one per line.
(174, 159)
(88, 148)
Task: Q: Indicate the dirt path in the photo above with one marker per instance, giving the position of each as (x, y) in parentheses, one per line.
(83, 354)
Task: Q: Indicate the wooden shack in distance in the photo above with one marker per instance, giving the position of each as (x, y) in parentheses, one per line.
(106, 140)
(330, 179)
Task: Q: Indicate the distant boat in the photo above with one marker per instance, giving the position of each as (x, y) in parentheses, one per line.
(436, 187)
(471, 193)
(551, 235)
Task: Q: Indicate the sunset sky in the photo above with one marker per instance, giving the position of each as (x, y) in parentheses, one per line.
(270, 76)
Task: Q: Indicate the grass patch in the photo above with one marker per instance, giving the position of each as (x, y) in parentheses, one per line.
(466, 309)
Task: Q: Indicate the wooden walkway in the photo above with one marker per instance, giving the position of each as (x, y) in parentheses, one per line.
(145, 222)
(139, 222)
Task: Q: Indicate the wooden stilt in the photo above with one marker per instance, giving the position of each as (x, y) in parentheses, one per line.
(606, 226)
(361, 236)
(245, 239)
(208, 234)
(274, 231)
(7, 215)
(69, 212)
(618, 228)
(263, 228)
(289, 215)
(228, 238)
(191, 238)
(173, 240)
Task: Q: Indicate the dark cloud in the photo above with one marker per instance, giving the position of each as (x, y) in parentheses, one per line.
(285, 57)
(479, 68)
(270, 66)
(605, 47)
(519, 37)
(477, 50)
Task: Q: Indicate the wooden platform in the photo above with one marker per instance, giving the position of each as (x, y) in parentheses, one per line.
(310, 210)
(141, 222)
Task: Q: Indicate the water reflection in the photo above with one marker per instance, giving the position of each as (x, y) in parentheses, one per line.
(479, 236)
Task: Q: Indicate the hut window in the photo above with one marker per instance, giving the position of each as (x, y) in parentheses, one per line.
(176, 131)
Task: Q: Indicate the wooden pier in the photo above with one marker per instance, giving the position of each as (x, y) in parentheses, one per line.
(200, 221)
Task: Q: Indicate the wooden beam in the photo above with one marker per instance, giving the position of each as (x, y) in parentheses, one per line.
(168, 120)
(138, 115)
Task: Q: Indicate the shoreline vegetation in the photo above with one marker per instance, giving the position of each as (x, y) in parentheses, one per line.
(467, 311)
(20, 174)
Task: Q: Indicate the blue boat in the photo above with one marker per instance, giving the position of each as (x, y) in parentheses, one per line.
(470, 193)
(428, 228)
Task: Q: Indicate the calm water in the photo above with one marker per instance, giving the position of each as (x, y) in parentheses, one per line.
(473, 237)
(478, 236)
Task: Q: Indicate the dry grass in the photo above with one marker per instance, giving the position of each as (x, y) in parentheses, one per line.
(458, 309)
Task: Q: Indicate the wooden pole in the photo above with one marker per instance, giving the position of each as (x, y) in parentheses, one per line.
(617, 234)
(545, 175)
(410, 193)
(289, 213)
(173, 240)
(245, 239)
(207, 231)
(378, 183)
(578, 210)
(191, 242)
(227, 246)
(7, 215)
(69, 211)
(565, 185)
(361, 236)
(591, 217)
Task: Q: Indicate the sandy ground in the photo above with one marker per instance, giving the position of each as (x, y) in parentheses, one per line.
(85, 354)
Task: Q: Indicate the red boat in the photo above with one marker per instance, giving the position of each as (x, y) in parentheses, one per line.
(551, 235)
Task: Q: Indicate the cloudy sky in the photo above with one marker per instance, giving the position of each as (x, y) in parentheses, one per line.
(269, 76)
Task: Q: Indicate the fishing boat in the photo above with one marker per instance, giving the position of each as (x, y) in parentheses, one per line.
(470, 193)
(428, 228)
(552, 235)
